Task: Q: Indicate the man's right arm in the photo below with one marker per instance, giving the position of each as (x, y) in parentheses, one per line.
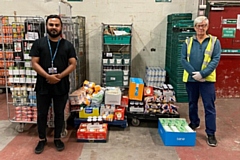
(52, 79)
(38, 68)
(185, 64)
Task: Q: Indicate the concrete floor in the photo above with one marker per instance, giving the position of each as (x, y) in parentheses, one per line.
(131, 143)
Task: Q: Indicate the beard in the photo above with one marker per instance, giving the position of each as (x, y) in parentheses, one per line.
(54, 33)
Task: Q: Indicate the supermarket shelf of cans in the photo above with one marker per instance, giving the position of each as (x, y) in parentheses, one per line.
(25, 106)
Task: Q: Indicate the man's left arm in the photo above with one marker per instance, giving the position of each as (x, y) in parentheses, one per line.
(214, 60)
(72, 65)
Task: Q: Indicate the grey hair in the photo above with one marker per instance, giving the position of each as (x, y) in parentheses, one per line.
(200, 19)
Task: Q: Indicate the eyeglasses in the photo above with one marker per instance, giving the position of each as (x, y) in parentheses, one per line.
(201, 25)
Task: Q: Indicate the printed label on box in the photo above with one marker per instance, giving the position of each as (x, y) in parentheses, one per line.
(136, 89)
(113, 78)
(88, 110)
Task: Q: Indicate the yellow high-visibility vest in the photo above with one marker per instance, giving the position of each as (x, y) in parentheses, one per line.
(206, 60)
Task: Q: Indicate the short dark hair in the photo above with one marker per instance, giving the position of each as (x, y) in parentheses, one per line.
(53, 16)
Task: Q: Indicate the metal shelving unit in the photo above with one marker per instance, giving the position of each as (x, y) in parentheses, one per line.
(74, 31)
(17, 36)
(116, 55)
(80, 47)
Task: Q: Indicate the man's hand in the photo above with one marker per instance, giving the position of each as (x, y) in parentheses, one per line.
(53, 79)
(197, 76)
(59, 76)
(202, 80)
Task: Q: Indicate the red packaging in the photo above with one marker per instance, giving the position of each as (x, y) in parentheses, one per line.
(83, 125)
(81, 134)
(119, 113)
(102, 133)
(124, 100)
(148, 91)
(91, 134)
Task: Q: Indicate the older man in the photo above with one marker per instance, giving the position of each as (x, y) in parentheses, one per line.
(200, 57)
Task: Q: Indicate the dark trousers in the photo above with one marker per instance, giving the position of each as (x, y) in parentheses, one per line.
(43, 103)
(207, 92)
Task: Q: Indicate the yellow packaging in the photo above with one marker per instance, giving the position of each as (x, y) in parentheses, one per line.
(97, 88)
(89, 111)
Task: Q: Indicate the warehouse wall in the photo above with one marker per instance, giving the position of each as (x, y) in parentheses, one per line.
(148, 18)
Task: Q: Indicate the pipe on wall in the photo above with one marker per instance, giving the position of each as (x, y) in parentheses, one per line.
(202, 7)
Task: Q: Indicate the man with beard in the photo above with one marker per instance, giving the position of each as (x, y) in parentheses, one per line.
(53, 58)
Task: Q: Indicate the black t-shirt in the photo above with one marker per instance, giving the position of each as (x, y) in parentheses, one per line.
(65, 51)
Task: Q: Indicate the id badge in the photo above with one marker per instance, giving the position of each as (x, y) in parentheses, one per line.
(52, 70)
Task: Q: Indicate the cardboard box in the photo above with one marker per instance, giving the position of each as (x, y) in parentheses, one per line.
(119, 113)
(81, 133)
(148, 91)
(136, 89)
(77, 97)
(91, 134)
(113, 96)
(124, 100)
(107, 109)
(171, 138)
(101, 134)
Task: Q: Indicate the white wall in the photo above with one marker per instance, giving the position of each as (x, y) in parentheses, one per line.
(148, 18)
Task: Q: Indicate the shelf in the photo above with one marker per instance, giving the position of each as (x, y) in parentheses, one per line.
(150, 116)
(115, 65)
(116, 44)
(2, 87)
(23, 105)
(30, 122)
(19, 96)
(24, 40)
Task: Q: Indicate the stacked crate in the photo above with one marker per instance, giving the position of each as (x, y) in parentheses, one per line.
(179, 27)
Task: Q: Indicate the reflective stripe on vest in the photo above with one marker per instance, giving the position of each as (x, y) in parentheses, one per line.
(206, 60)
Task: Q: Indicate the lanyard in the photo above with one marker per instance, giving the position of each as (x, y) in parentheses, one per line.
(50, 48)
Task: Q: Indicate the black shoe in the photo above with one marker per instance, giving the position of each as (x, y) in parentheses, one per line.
(211, 140)
(194, 127)
(59, 144)
(40, 146)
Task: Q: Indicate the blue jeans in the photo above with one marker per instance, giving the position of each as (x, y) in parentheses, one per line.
(207, 92)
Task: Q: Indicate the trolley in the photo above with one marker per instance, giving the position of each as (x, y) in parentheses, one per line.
(17, 34)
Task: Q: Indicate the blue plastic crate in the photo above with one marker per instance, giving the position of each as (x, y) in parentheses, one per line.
(176, 138)
(108, 39)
